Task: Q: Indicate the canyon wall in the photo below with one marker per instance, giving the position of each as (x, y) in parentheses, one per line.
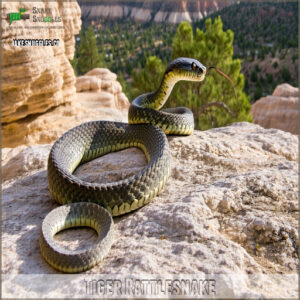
(39, 99)
(143, 11)
(36, 78)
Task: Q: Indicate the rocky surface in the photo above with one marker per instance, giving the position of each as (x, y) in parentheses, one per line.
(280, 110)
(229, 207)
(37, 78)
(144, 11)
(99, 97)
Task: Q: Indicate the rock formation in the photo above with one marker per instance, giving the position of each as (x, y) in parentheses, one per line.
(103, 80)
(37, 78)
(230, 207)
(88, 83)
(160, 11)
(39, 100)
(99, 97)
(280, 110)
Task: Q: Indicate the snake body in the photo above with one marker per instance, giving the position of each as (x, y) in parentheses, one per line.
(146, 130)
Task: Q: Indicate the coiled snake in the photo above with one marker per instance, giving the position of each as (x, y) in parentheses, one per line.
(146, 130)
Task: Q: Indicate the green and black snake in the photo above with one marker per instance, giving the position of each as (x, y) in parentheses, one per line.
(93, 204)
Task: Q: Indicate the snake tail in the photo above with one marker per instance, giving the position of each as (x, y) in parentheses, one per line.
(67, 216)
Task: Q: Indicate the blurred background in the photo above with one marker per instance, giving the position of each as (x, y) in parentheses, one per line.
(255, 43)
(112, 51)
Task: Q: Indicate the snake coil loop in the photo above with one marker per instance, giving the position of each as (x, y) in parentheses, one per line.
(146, 130)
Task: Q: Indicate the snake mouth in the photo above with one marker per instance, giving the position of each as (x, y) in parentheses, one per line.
(201, 72)
(201, 76)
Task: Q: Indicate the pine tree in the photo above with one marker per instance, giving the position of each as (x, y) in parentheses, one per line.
(285, 74)
(213, 101)
(148, 78)
(88, 56)
(253, 76)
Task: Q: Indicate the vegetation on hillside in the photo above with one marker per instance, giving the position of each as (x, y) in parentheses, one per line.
(264, 37)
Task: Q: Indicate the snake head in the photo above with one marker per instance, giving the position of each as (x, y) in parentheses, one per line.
(187, 68)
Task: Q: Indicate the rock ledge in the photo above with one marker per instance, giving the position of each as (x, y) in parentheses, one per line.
(229, 207)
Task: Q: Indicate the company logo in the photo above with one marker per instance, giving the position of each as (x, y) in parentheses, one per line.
(48, 18)
(16, 16)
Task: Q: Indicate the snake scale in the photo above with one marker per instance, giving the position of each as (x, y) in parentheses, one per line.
(94, 204)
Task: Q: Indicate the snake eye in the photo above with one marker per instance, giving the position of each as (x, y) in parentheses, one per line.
(194, 66)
